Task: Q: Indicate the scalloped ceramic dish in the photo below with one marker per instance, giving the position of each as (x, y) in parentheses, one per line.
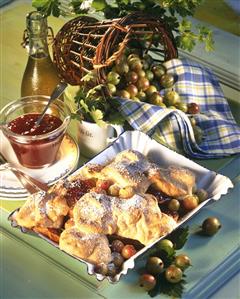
(215, 184)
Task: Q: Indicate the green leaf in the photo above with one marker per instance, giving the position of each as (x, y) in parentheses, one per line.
(167, 255)
(115, 117)
(76, 116)
(209, 44)
(94, 90)
(97, 116)
(163, 3)
(84, 106)
(185, 25)
(40, 3)
(175, 290)
(112, 3)
(89, 76)
(205, 36)
(188, 41)
(99, 4)
(179, 237)
(77, 7)
(47, 7)
(55, 9)
(124, 1)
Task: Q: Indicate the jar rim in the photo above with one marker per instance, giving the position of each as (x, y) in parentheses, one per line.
(26, 138)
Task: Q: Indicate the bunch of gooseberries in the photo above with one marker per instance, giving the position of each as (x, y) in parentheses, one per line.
(178, 207)
(120, 253)
(138, 77)
(167, 267)
(172, 273)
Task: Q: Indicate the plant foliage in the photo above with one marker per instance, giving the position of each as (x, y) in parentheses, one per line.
(175, 290)
(173, 12)
(92, 104)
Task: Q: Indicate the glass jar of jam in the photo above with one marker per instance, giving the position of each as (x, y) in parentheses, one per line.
(35, 146)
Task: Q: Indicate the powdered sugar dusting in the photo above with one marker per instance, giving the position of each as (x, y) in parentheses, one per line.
(126, 204)
(93, 207)
(132, 171)
(40, 201)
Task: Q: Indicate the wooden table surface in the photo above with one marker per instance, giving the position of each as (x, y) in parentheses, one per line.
(32, 268)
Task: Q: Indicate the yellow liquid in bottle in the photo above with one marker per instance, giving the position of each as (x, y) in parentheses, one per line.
(40, 76)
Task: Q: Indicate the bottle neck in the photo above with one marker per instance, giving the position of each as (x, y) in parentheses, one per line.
(37, 32)
(38, 46)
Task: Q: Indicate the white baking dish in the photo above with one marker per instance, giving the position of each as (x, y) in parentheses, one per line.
(215, 184)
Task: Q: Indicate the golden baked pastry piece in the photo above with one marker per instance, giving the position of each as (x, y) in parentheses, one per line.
(93, 214)
(42, 209)
(93, 248)
(51, 233)
(69, 223)
(91, 170)
(173, 181)
(168, 224)
(58, 188)
(138, 217)
(128, 169)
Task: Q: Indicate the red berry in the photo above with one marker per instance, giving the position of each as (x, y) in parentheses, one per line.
(128, 251)
(117, 259)
(131, 77)
(147, 281)
(101, 269)
(103, 184)
(193, 108)
(117, 246)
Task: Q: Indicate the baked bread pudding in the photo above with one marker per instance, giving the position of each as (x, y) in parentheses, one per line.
(125, 199)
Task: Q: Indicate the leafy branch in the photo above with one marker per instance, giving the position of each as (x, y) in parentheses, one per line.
(48, 7)
(173, 12)
(167, 254)
(93, 105)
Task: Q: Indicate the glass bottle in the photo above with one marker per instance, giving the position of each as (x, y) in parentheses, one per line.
(40, 76)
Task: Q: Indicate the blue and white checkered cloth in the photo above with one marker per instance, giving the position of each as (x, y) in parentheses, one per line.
(194, 83)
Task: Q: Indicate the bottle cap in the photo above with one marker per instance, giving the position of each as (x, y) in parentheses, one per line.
(36, 23)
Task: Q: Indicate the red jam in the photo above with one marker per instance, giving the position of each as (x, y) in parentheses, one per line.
(25, 124)
(77, 189)
(36, 153)
(161, 197)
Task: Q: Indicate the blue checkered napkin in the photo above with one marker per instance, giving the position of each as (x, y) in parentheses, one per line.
(194, 83)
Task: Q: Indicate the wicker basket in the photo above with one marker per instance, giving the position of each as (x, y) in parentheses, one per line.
(84, 44)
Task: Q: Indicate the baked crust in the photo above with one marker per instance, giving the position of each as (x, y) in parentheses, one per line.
(93, 248)
(91, 170)
(51, 233)
(93, 214)
(173, 181)
(138, 217)
(42, 209)
(129, 213)
(129, 169)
